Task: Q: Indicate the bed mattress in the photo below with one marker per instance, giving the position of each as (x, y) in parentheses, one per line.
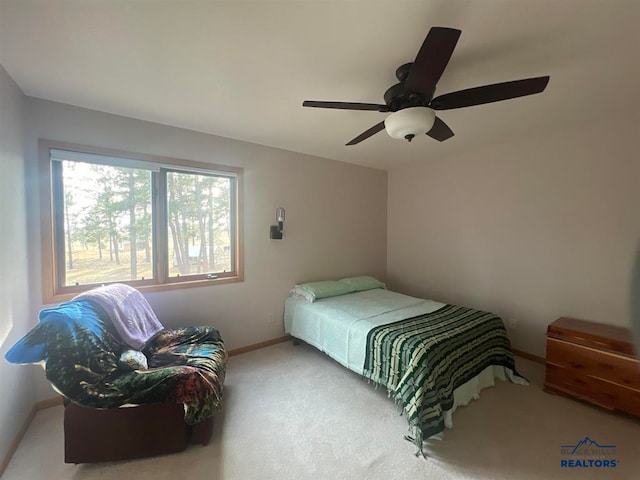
(339, 325)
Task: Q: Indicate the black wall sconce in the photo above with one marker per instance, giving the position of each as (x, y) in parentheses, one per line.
(276, 230)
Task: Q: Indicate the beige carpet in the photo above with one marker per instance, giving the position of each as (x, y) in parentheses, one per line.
(293, 413)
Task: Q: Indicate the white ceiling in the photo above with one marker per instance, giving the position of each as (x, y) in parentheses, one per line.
(242, 69)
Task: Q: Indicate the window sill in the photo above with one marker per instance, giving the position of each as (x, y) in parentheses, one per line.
(149, 288)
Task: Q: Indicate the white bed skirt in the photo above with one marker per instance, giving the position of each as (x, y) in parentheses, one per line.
(466, 392)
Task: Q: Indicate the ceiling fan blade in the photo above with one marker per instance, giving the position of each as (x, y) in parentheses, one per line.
(489, 93)
(346, 105)
(440, 131)
(431, 60)
(366, 134)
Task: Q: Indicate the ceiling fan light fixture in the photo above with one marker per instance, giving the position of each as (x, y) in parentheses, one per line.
(410, 122)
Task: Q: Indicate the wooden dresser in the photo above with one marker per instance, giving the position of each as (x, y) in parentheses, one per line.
(593, 362)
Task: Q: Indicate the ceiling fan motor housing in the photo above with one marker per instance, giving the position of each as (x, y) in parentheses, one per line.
(402, 72)
(396, 96)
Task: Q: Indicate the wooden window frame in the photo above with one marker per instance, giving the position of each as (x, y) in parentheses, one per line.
(54, 293)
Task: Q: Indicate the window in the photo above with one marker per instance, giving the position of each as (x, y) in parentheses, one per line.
(154, 223)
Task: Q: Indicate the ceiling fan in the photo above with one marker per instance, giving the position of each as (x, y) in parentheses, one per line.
(411, 101)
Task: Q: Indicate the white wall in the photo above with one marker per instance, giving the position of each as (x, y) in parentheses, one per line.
(335, 217)
(543, 227)
(18, 387)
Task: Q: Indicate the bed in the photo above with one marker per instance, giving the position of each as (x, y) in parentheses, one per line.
(430, 356)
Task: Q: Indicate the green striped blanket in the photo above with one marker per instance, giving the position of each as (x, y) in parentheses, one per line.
(422, 360)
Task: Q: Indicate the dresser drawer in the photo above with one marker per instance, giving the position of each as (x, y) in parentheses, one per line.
(602, 337)
(591, 362)
(600, 392)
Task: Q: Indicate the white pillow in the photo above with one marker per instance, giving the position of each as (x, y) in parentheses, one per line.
(308, 296)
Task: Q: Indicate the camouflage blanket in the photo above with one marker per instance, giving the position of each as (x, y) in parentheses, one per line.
(81, 350)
